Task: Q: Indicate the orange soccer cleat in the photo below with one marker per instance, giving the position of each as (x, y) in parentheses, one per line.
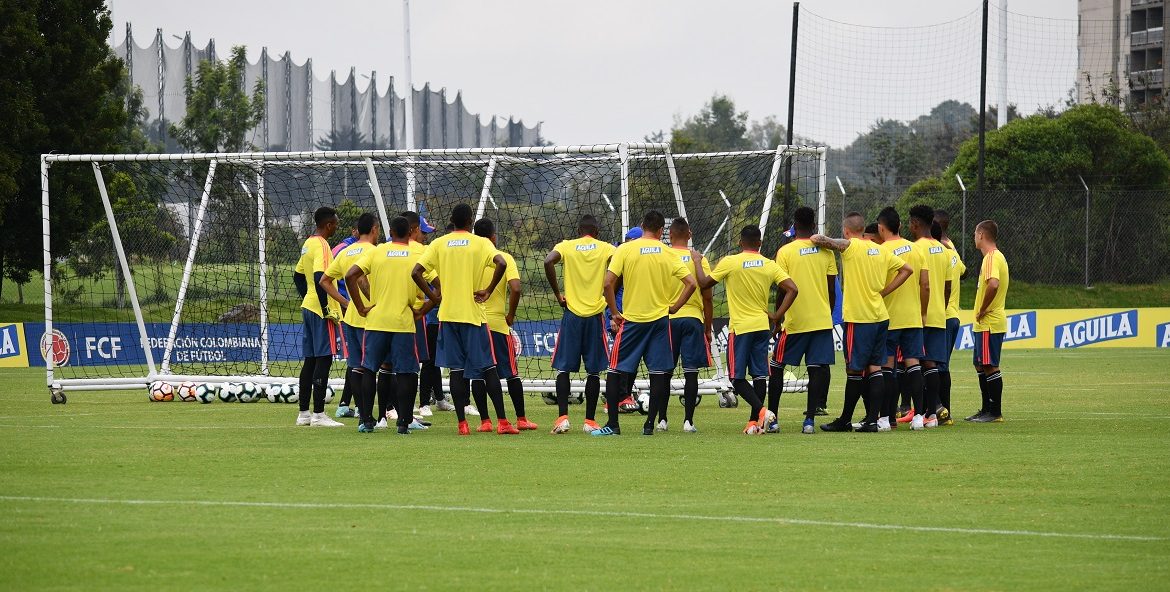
(523, 424)
(463, 429)
(505, 427)
(485, 426)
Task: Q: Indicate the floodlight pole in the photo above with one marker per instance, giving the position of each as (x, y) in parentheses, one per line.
(791, 114)
(1002, 118)
(408, 120)
(982, 102)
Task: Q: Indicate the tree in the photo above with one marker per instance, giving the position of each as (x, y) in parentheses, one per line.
(717, 127)
(219, 111)
(58, 94)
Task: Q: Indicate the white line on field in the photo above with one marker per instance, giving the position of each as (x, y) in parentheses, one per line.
(589, 513)
(149, 427)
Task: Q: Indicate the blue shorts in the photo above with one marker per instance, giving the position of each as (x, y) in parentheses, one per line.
(865, 345)
(688, 341)
(988, 346)
(463, 346)
(353, 345)
(816, 348)
(420, 341)
(637, 342)
(951, 336)
(904, 343)
(749, 352)
(934, 344)
(581, 338)
(504, 349)
(395, 349)
(319, 337)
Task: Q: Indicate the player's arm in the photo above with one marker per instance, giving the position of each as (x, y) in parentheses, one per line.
(421, 313)
(708, 307)
(703, 280)
(550, 273)
(835, 244)
(924, 291)
(416, 274)
(785, 294)
(514, 292)
(832, 279)
(301, 283)
(353, 279)
(988, 297)
(900, 278)
(947, 291)
(689, 286)
(611, 280)
(501, 265)
(329, 284)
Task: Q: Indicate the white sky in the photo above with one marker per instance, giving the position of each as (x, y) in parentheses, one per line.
(593, 71)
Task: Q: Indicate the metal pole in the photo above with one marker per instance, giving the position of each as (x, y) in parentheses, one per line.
(262, 238)
(678, 197)
(791, 114)
(1087, 201)
(822, 181)
(624, 155)
(841, 186)
(409, 120)
(376, 188)
(47, 270)
(1002, 118)
(727, 202)
(187, 267)
(770, 191)
(982, 102)
(963, 245)
(485, 193)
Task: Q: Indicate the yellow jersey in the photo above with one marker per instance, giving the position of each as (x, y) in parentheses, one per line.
(865, 267)
(693, 309)
(809, 266)
(994, 266)
(955, 275)
(495, 308)
(391, 289)
(937, 265)
(585, 260)
(316, 255)
(905, 304)
(649, 271)
(748, 277)
(459, 258)
(337, 270)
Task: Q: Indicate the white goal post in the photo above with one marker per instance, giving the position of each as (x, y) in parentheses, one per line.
(261, 197)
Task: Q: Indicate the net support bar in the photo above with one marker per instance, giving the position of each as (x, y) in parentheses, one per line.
(376, 188)
(770, 191)
(187, 268)
(485, 193)
(47, 272)
(262, 253)
(676, 189)
(624, 155)
(410, 190)
(822, 186)
(124, 265)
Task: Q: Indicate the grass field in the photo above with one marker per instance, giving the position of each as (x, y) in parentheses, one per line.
(1072, 492)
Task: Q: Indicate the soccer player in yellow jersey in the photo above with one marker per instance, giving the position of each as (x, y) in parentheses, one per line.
(389, 332)
(690, 328)
(318, 318)
(426, 330)
(955, 274)
(865, 268)
(500, 309)
(464, 342)
(906, 306)
(649, 272)
(934, 321)
(990, 322)
(808, 329)
(351, 321)
(581, 337)
(749, 277)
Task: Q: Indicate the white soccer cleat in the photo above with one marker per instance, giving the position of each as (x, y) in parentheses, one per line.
(470, 410)
(444, 405)
(425, 411)
(304, 418)
(931, 422)
(661, 427)
(381, 425)
(856, 425)
(321, 420)
(392, 414)
(917, 423)
(689, 428)
(883, 424)
(561, 426)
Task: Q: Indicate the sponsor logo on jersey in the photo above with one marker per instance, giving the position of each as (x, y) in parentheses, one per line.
(458, 242)
(902, 250)
(810, 250)
(686, 258)
(650, 250)
(750, 263)
(1019, 326)
(588, 247)
(397, 253)
(873, 252)
(936, 249)
(355, 251)
(1097, 329)
(304, 250)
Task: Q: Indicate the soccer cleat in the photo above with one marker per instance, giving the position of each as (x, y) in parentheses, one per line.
(469, 410)
(485, 426)
(765, 418)
(304, 418)
(902, 411)
(425, 411)
(403, 430)
(504, 427)
(837, 425)
(320, 420)
(868, 427)
(628, 405)
(931, 422)
(883, 424)
(662, 426)
(392, 414)
(808, 427)
(856, 425)
(424, 422)
(906, 417)
(917, 423)
(822, 411)
(605, 431)
(689, 428)
(381, 425)
(947, 422)
(752, 429)
(647, 430)
(463, 429)
(974, 416)
(366, 428)
(444, 405)
(988, 418)
(561, 426)
(344, 411)
(414, 425)
(522, 423)
(590, 426)
(944, 415)
(773, 427)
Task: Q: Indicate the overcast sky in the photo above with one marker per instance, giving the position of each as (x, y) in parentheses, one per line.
(592, 71)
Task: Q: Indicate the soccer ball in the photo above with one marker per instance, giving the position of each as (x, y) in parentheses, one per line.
(328, 394)
(576, 398)
(728, 400)
(228, 392)
(275, 393)
(186, 392)
(293, 395)
(549, 398)
(683, 400)
(643, 399)
(161, 391)
(247, 393)
(205, 393)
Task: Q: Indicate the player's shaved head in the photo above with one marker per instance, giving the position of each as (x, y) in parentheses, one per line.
(854, 222)
(989, 229)
(679, 225)
(461, 217)
(485, 227)
(653, 221)
(365, 223)
(587, 225)
(399, 228)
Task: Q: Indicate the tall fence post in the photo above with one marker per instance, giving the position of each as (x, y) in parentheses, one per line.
(963, 249)
(1088, 199)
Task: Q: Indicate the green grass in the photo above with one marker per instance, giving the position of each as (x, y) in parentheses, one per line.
(1084, 452)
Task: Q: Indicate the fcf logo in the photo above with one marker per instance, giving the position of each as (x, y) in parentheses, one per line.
(55, 348)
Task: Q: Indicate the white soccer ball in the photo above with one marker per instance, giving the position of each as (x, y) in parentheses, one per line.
(228, 392)
(549, 398)
(186, 392)
(576, 398)
(247, 393)
(205, 393)
(160, 391)
(328, 394)
(293, 395)
(728, 400)
(273, 394)
(643, 400)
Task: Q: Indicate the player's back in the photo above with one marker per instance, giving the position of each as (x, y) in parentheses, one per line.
(694, 306)
(905, 303)
(584, 260)
(748, 278)
(937, 264)
(648, 272)
(809, 267)
(495, 307)
(459, 259)
(391, 290)
(865, 269)
(343, 259)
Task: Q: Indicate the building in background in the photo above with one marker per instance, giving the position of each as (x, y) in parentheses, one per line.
(1121, 43)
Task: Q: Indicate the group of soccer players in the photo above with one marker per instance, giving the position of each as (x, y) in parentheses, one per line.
(899, 301)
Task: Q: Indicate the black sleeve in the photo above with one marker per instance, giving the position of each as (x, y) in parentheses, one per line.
(300, 283)
(322, 295)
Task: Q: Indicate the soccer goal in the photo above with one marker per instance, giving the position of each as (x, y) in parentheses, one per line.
(185, 271)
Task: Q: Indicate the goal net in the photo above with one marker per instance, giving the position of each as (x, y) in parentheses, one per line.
(185, 273)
